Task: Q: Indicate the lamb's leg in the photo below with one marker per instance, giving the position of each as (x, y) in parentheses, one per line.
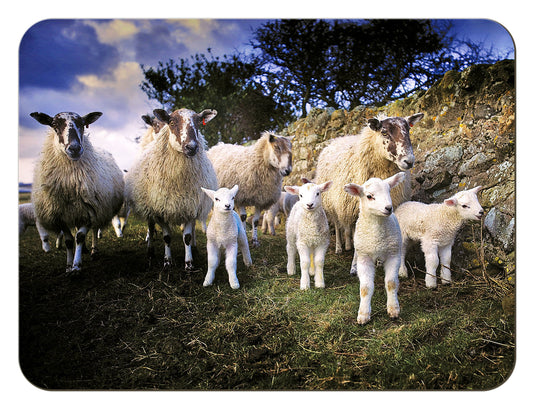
(80, 241)
(445, 255)
(187, 239)
(431, 255)
(348, 238)
(353, 268)
(94, 247)
(242, 214)
(319, 258)
(338, 239)
(311, 263)
(45, 239)
(291, 256)
(231, 265)
(242, 240)
(391, 266)
(167, 259)
(255, 223)
(305, 261)
(403, 273)
(69, 244)
(213, 259)
(117, 226)
(366, 272)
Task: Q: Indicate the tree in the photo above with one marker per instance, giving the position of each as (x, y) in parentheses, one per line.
(228, 85)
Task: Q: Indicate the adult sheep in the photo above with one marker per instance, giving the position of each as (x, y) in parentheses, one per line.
(75, 185)
(164, 184)
(257, 169)
(379, 150)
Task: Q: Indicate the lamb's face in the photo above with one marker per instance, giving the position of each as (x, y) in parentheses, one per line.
(184, 125)
(310, 194)
(467, 204)
(223, 198)
(280, 154)
(395, 137)
(69, 130)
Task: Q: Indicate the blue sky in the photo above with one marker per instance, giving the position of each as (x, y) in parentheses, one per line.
(95, 65)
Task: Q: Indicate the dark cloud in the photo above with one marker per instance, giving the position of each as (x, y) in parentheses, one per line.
(53, 52)
(158, 44)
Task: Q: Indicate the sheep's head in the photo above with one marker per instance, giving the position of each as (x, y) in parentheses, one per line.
(310, 194)
(155, 123)
(395, 136)
(375, 194)
(184, 125)
(280, 153)
(466, 204)
(69, 130)
(223, 198)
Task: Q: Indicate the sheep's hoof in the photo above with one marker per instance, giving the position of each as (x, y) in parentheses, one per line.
(234, 285)
(189, 266)
(402, 273)
(255, 243)
(363, 318)
(95, 253)
(353, 271)
(394, 312)
(167, 263)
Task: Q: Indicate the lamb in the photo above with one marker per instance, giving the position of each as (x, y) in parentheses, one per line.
(164, 184)
(379, 150)
(225, 231)
(75, 185)
(27, 218)
(307, 231)
(377, 238)
(435, 226)
(258, 170)
(271, 216)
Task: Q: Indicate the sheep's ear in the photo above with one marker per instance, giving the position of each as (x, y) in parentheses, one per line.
(91, 118)
(374, 124)
(393, 181)
(414, 118)
(210, 193)
(206, 115)
(353, 189)
(325, 186)
(294, 190)
(450, 201)
(162, 115)
(235, 189)
(147, 119)
(305, 180)
(42, 118)
(272, 137)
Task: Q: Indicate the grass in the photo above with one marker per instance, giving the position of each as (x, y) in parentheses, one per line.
(124, 325)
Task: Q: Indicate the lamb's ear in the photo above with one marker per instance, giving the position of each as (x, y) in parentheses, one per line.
(475, 190)
(210, 193)
(91, 118)
(374, 124)
(162, 115)
(305, 180)
(235, 189)
(393, 181)
(451, 201)
(325, 186)
(353, 189)
(206, 115)
(294, 190)
(42, 118)
(414, 118)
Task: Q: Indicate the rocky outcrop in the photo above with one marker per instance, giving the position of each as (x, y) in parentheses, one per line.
(466, 138)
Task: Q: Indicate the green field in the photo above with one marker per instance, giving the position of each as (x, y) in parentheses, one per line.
(123, 325)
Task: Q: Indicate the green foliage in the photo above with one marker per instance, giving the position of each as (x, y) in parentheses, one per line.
(123, 325)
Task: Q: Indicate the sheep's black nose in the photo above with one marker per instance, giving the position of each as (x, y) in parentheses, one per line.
(408, 163)
(309, 206)
(228, 206)
(388, 208)
(190, 149)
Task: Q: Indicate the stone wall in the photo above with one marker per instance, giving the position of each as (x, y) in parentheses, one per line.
(466, 138)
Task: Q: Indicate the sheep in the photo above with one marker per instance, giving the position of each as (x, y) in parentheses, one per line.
(27, 218)
(377, 238)
(225, 231)
(271, 216)
(377, 151)
(307, 231)
(164, 184)
(75, 185)
(435, 226)
(258, 170)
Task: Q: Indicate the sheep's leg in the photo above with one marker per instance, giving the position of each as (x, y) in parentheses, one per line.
(242, 240)
(117, 226)
(403, 273)
(149, 237)
(45, 239)
(391, 266)
(94, 247)
(167, 259)
(231, 265)
(348, 238)
(431, 255)
(80, 241)
(353, 267)
(319, 258)
(305, 261)
(213, 259)
(255, 223)
(242, 214)
(187, 239)
(59, 240)
(338, 239)
(445, 255)
(366, 272)
(69, 244)
(311, 263)
(291, 256)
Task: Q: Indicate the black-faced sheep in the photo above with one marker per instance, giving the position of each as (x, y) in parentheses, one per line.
(164, 184)
(258, 170)
(75, 185)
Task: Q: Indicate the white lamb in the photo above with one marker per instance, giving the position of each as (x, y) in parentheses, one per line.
(377, 238)
(435, 226)
(27, 218)
(307, 231)
(271, 216)
(225, 231)
(258, 170)
(75, 185)
(164, 184)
